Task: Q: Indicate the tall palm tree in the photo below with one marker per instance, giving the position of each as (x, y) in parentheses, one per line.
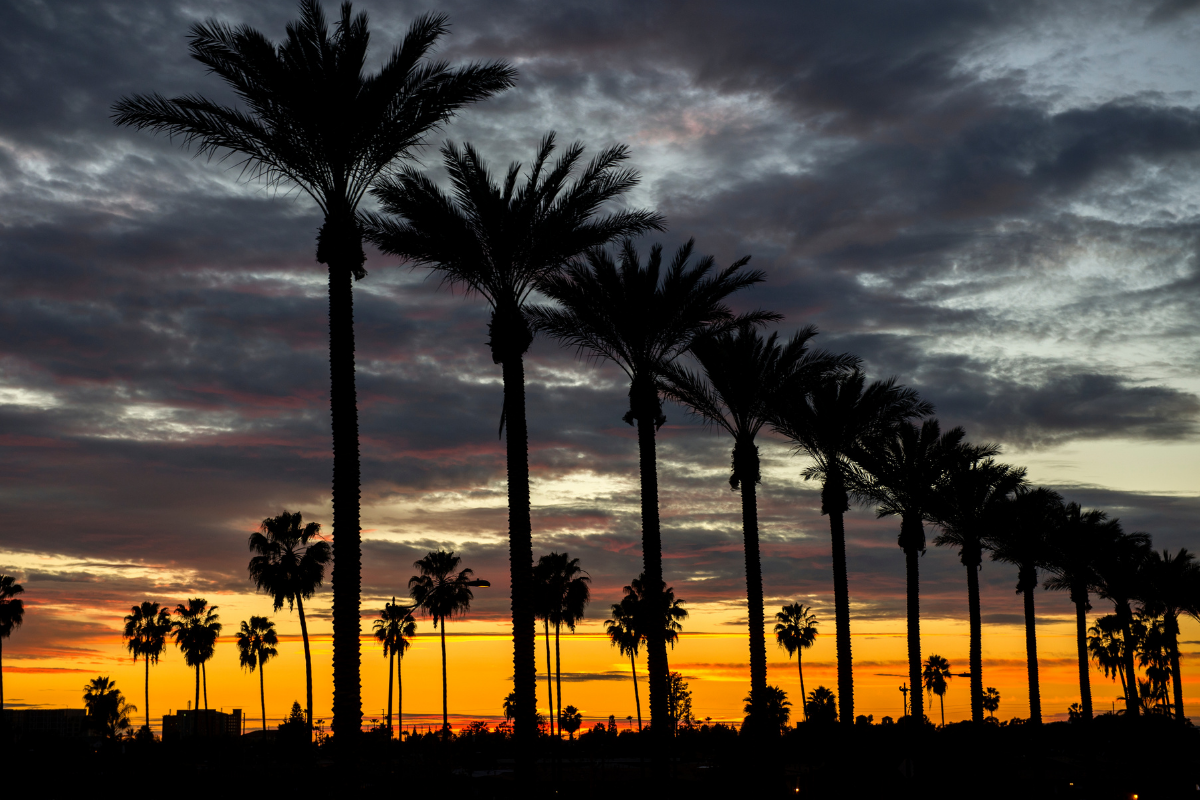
(395, 629)
(1171, 588)
(826, 423)
(901, 474)
(796, 631)
(1120, 563)
(566, 589)
(743, 375)
(1021, 531)
(966, 503)
(145, 634)
(195, 629)
(1072, 552)
(106, 707)
(256, 646)
(312, 117)
(290, 566)
(441, 593)
(624, 634)
(642, 318)
(933, 677)
(501, 242)
(12, 614)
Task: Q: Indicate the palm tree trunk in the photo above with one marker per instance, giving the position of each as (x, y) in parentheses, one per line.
(204, 673)
(307, 658)
(754, 598)
(1085, 681)
(196, 708)
(262, 697)
(549, 682)
(558, 675)
(399, 695)
(2, 677)
(942, 701)
(636, 699)
(647, 410)
(1035, 692)
(1172, 629)
(1133, 703)
(841, 605)
(803, 694)
(913, 579)
(976, 658)
(391, 672)
(147, 660)
(445, 704)
(520, 554)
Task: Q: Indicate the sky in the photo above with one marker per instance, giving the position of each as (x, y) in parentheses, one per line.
(994, 202)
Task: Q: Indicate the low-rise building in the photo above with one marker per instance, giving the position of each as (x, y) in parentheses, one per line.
(57, 722)
(204, 722)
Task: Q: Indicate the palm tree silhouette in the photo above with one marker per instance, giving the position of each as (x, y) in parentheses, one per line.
(1071, 555)
(313, 118)
(441, 593)
(902, 474)
(966, 503)
(501, 242)
(256, 646)
(743, 375)
(1120, 561)
(107, 710)
(796, 631)
(1171, 588)
(195, 630)
(290, 566)
(12, 614)
(564, 589)
(395, 629)
(1106, 643)
(145, 634)
(625, 634)
(826, 423)
(642, 319)
(775, 705)
(821, 705)
(933, 677)
(1021, 532)
(991, 701)
(570, 719)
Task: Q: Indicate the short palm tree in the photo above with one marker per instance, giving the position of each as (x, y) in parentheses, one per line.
(744, 374)
(12, 614)
(107, 711)
(966, 502)
(1071, 566)
(991, 701)
(441, 593)
(1170, 589)
(290, 566)
(821, 705)
(796, 631)
(1120, 562)
(774, 706)
(256, 646)
(1021, 531)
(311, 117)
(395, 629)
(145, 634)
(195, 630)
(826, 423)
(569, 720)
(563, 590)
(624, 634)
(934, 675)
(902, 474)
(642, 319)
(501, 242)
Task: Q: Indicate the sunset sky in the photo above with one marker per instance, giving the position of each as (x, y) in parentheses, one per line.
(995, 202)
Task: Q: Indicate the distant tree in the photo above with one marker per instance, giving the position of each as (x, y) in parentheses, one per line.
(1107, 646)
(441, 593)
(796, 631)
(1170, 588)
(934, 676)
(510, 706)
(562, 594)
(195, 630)
(569, 720)
(290, 566)
(624, 634)
(395, 629)
(821, 706)
(145, 634)
(12, 614)
(774, 711)
(1120, 562)
(256, 646)
(635, 615)
(679, 703)
(991, 701)
(108, 713)
(1075, 713)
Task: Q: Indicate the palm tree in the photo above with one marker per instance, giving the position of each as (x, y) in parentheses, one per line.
(290, 566)
(821, 705)
(1020, 534)
(1120, 561)
(395, 629)
(641, 319)
(625, 634)
(633, 617)
(1171, 588)
(991, 701)
(796, 631)
(502, 242)
(1072, 551)
(107, 710)
(570, 719)
(933, 677)
(256, 645)
(1107, 645)
(966, 502)
(744, 374)
(774, 705)
(12, 614)
(195, 630)
(902, 474)
(313, 118)
(441, 593)
(826, 423)
(563, 587)
(145, 634)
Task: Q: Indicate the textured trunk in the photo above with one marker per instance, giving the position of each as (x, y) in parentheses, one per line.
(656, 643)
(1085, 681)
(204, 677)
(976, 657)
(942, 702)
(558, 677)
(754, 599)
(147, 660)
(549, 683)
(445, 703)
(196, 708)
(399, 695)
(636, 699)
(841, 605)
(1035, 692)
(912, 573)
(1133, 703)
(1172, 629)
(391, 673)
(307, 660)
(262, 696)
(803, 694)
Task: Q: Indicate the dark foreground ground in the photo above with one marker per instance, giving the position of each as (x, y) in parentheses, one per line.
(1112, 757)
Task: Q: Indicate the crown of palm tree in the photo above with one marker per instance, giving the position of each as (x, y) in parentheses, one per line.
(195, 630)
(968, 499)
(146, 629)
(439, 591)
(1072, 548)
(12, 608)
(1120, 561)
(622, 626)
(106, 705)
(395, 628)
(934, 674)
(668, 616)
(1170, 584)
(563, 587)
(256, 642)
(1106, 645)
(1020, 532)
(795, 628)
(291, 558)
